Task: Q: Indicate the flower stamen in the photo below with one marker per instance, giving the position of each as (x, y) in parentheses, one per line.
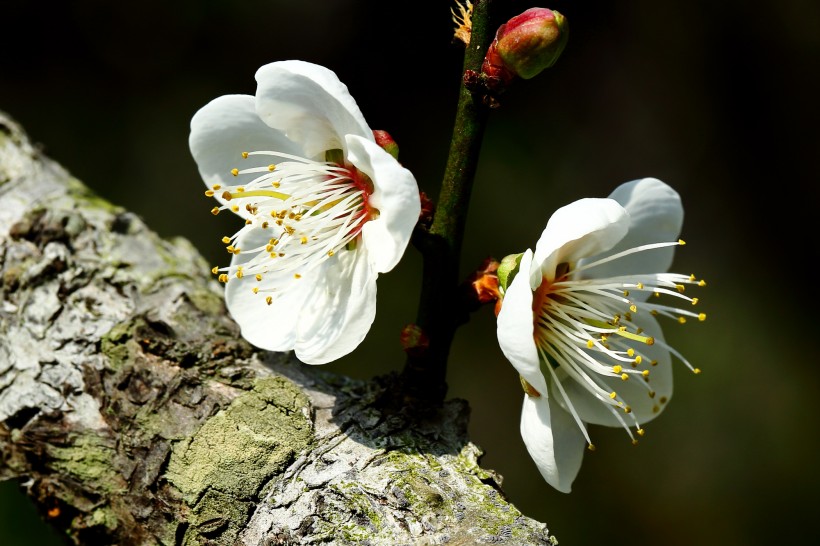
(320, 211)
(590, 329)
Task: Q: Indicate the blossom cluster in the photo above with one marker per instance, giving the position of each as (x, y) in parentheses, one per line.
(326, 207)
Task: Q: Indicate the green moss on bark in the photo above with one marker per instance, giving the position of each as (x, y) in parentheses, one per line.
(235, 453)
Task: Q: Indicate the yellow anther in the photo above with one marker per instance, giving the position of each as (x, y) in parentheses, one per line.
(264, 225)
(235, 208)
(269, 300)
(278, 222)
(239, 274)
(244, 155)
(269, 248)
(229, 248)
(640, 432)
(627, 409)
(235, 172)
(209, 193)
(304, 240)
(638, 359)
(613, 395)
(297, 276)
(240, 189)
(275, 183)
(692, 277)
(701, 283)
(258, 277)
(626, 293)
(226, 239)
(591, 447)
(330, 253)
(290, 230)
(702, 317)
(696, 371)
(291, 215)
(682, 320)
(590, 344)
(645, 373)
(215, 211)
(633, 308)
(215, 269)
(622, 329)
(248, 222)
(695, 301)
(297, 217)
(640, 286)
(271, 167)
(650, 341)
(273, 254)
(652, 394)
(617, 369)
(624, 376)
(653, 363)
(657, 294)
(216, 187)
(223, 277)
(630, 351)
(634, 442)
(236, 250)
(654, 313)
(681, 242)
(255, 289)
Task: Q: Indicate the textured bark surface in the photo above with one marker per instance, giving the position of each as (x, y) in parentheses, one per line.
(133, 413)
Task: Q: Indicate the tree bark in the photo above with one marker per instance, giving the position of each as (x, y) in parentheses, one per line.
(132, 412)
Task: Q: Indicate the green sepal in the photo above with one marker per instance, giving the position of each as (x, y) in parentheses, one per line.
(507, 270)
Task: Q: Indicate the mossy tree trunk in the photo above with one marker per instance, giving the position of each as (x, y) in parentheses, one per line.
(132, 412)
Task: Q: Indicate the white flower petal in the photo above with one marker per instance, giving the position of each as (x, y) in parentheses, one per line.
(340, 309)
(223, 129)
(395, 195)
(656, 215)
(515, 327)
(633, 391)
(580, 229)
(553, 440)
(309, 104)
(271, 327)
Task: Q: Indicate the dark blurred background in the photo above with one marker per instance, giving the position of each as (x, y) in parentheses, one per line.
(719, 99)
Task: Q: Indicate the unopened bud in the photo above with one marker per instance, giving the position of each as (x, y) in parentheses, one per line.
(386, 142)
(526, 44)
(413, 340)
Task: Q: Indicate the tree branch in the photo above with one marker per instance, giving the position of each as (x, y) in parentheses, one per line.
(132, 412)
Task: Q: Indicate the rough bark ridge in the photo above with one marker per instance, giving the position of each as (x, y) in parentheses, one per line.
(133, 413)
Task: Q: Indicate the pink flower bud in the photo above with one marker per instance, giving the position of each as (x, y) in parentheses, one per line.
(386, 142)
(526, 44)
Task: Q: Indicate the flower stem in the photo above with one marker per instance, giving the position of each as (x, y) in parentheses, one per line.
(440, 311)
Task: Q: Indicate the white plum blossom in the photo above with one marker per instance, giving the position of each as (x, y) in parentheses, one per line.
(325, 209)
(578, 322)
